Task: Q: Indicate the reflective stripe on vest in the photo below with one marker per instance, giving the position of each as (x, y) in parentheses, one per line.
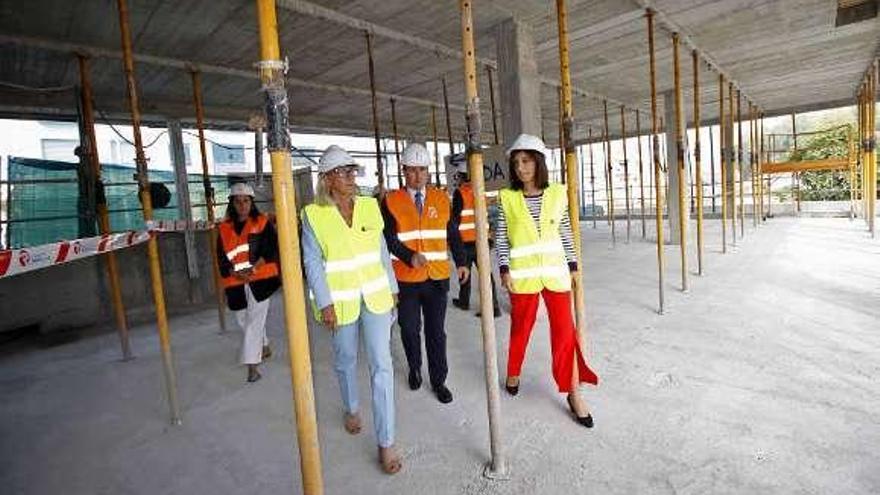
(466, 224)
(238, 250)
(537, 256)
(352, 258)
(425, 233)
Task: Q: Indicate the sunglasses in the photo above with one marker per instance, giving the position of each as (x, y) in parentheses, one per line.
(344, 172)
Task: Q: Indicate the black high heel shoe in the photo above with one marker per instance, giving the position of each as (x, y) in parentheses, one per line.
(512, 389)
(586, 421)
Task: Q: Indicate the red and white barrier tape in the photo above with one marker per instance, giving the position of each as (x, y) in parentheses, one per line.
(17, 261)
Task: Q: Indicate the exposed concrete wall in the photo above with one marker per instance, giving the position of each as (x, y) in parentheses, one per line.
(518, 80)
(675, 179)
(76, 294)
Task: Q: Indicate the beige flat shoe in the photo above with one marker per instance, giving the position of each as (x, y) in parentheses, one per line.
(390, 460)
(353, 423)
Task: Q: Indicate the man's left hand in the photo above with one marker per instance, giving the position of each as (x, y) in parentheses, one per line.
(463, 273)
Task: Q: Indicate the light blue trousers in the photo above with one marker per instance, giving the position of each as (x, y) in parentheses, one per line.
(376, 332)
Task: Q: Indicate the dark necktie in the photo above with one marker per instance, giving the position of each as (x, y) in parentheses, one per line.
(419, 203)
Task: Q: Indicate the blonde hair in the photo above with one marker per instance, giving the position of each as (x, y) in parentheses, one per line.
(322, 193)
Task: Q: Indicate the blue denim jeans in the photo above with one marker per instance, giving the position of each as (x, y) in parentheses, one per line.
(376, 332)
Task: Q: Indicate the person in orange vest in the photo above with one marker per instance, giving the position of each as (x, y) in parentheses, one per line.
(537, 260)
(247, 255)
(419, 232)
(464, 220)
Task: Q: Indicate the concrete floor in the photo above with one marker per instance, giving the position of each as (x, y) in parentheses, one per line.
(762, 379)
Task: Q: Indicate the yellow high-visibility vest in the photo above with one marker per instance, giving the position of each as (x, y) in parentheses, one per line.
(352, 258)
(537, 256)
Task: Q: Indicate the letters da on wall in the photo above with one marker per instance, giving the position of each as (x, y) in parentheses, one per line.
(495, 170)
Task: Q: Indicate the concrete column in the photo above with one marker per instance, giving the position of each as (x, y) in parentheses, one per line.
(181, 185)
(518, 80)
(675, 181)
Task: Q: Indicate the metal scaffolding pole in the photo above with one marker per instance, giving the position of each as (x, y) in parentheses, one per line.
(852, 176)
(860, 150)
(592, 174)
(866, 168)
(448, 119)
(698, 180)
(625, 171)
(712, 165)
(210, 204)
(436, 146)
(272, 68)
(380, 167)
(609, 176)
(732, 163)
(753, 158)
(90, 148)
(872, 200)
(761, 160)
(641, 176)
(722, 146)
(770, 153)
(795, 177)
(573, 186)
(739, 158)
(498, 467)
(492, 105)
(679, 156)
(147, 205)
(655, 152)
(562, 175)
(396, 145)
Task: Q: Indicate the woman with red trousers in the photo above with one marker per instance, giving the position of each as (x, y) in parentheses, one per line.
(537, 260)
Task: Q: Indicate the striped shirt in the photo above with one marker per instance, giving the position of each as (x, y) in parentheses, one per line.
(533, 203)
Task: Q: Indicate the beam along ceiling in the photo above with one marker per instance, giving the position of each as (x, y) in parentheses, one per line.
(783, 54)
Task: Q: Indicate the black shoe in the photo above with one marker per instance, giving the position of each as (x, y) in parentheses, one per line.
(253, 375)
(458, 303)
(415, 379)
(512, 389)
(443, 394)
(586, 421)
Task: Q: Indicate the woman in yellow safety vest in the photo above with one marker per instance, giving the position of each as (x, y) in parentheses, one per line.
(353, 291)
(536, 258)
(247, 257)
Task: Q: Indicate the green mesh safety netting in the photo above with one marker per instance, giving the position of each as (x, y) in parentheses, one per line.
(43, 199)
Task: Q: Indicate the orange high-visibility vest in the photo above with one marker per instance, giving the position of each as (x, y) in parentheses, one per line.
(238, 251)
(467, 223)
(425, 234)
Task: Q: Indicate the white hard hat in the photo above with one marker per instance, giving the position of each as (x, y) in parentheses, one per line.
(415, 155)
(528, 142)
(334, 157)
(241, 189)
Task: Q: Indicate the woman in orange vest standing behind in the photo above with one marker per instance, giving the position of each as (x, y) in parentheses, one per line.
(464, 220)
(537, 260)
(247, 256)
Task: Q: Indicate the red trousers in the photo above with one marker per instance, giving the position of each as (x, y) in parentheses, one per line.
(563, 337)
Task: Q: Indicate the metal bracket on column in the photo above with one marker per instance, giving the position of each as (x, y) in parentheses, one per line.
(277, 105)
(568, 133)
